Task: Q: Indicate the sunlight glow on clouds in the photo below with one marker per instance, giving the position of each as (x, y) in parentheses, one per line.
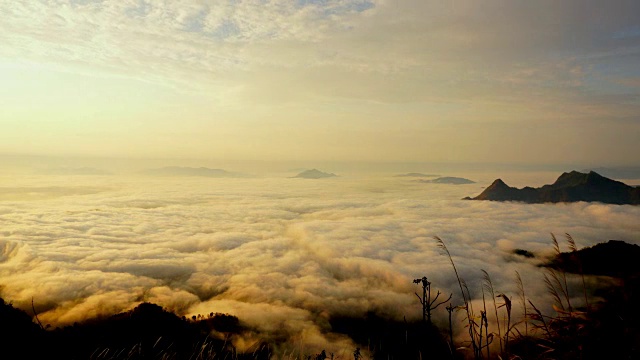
(302, 251)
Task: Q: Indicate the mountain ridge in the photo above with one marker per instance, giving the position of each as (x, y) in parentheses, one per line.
(415, 174)
(569, 187)
(451, 180)
(192, 171)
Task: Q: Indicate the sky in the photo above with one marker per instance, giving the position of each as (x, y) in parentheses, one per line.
(528, 82)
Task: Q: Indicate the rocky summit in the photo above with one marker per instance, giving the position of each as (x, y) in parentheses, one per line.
(569, 187)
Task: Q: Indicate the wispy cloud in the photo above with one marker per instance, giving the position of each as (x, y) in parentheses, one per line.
(410, 73)
(173, 39)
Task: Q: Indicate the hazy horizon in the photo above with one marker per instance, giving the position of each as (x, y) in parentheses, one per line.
(42, 164)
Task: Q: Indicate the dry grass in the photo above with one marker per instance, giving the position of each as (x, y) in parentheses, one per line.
(562, 335)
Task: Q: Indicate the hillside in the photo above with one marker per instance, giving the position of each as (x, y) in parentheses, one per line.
(613, 258)
(569, 187)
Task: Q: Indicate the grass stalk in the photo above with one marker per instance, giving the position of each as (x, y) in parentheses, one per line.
(552, 288)
(507, 305)
(488, 284)
(574, 250)
(485, 321)
(465, 297)
(450, 309)
(523, 300)
(564, 289)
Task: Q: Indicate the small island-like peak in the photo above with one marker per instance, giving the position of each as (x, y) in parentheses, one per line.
(417, 175)
(314, 174)
(452, 180)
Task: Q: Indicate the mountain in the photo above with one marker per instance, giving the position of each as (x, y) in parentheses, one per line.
(314, 174)
(449, 180)
(627, 172)
(569, 187)
(189, 171)
(416, 175)
(73, 171)
(613, 258)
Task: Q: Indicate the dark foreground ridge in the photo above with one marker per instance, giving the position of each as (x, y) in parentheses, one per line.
(150, 332)
(146, 332)
(614, 258)
(569, 187)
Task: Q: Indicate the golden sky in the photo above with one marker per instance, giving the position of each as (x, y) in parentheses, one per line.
(366, 80)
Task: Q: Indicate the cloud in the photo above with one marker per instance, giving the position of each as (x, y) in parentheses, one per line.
(535, 78)
(150, 38)
(44, 192)
(284, 256)
(451, 44)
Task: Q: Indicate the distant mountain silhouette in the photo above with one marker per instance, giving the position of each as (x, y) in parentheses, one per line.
(73, 171)
(416, 175)
(314, 174)
(569, 187)
(189, 171)
(449, 180)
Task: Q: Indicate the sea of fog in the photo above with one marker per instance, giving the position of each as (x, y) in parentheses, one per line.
(284, 255)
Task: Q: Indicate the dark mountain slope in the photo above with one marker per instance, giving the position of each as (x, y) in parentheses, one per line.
(569, 187)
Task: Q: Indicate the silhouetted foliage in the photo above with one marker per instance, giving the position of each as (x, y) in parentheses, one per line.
(18, 333)
(608, 329)
(428, 304)
(391, 339)
(611, 328)
(146, 332)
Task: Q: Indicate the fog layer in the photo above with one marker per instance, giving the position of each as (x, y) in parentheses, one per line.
(284, 255)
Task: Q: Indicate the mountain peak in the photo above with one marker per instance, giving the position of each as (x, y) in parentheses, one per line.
(314, 174)
(497, 184)
(569, 187)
